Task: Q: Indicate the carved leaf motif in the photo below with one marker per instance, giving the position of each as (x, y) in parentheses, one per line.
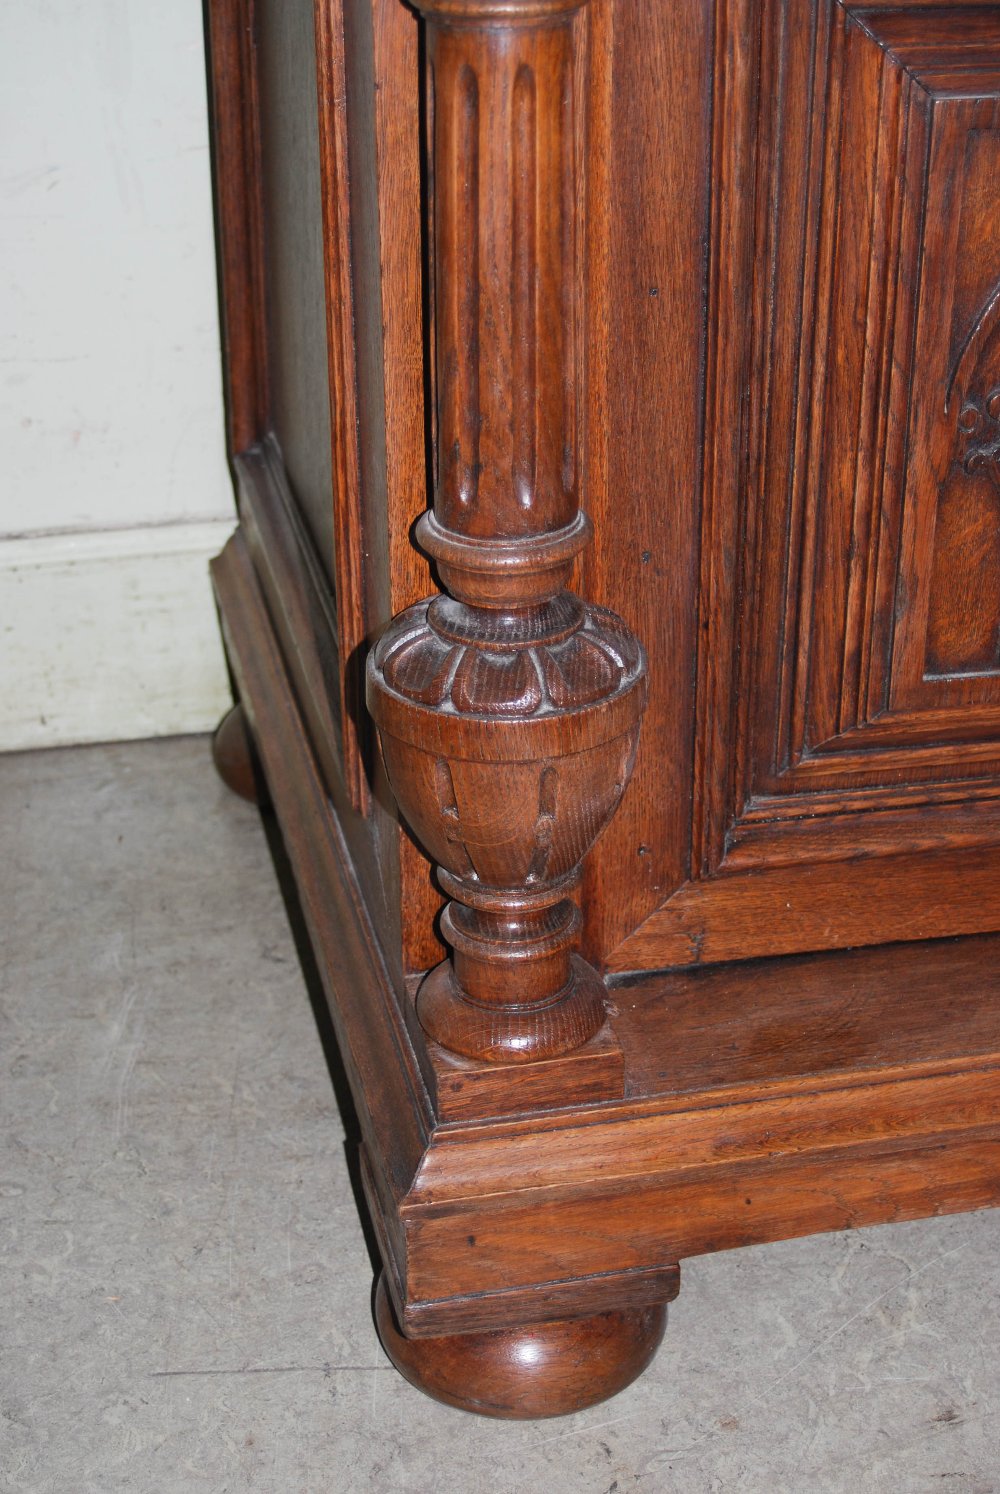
(979, 437)
(491, 684)
(421, 668)
(611, 635)
(577, 672)
(423, 664)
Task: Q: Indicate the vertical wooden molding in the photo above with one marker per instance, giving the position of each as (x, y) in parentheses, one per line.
(353, 607)
(239, 218)
(508, 709)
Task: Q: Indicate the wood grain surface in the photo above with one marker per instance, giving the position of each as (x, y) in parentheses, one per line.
(508, 710)
(718, 287)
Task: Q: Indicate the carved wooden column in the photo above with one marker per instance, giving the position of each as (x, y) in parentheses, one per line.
(508, 709)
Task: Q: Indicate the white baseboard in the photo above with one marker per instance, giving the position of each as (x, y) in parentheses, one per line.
(110, 635)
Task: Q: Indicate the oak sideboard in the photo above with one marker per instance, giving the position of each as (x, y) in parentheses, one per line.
(614, 622)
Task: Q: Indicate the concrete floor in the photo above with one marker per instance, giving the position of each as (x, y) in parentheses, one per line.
(184, 1281)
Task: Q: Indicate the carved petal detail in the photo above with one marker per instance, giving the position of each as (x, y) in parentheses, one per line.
(421, 668)
(609, 632)
(578, 672)
(496, 684)
(595, 662)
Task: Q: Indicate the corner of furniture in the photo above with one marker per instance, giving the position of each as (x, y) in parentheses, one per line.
(631, 733)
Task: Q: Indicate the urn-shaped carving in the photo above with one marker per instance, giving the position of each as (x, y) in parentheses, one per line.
(508, 757)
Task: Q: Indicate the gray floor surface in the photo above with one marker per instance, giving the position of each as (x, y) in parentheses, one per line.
(185, 1282)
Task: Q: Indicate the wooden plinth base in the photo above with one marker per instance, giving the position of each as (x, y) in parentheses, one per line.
(233, 756)
(536, 1370)
(750, 1102)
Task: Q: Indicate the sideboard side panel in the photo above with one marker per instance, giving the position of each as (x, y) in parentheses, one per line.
(295, 270)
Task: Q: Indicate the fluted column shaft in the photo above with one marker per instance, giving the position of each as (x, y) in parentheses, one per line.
(505, 207)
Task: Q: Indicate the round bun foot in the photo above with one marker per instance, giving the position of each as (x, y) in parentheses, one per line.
(233, 757)
(538, 1369)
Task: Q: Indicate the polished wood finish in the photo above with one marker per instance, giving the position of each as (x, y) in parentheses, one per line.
(724, 280)
(239, 209)
(759, 1100)
(531, 1371)
(508, 710)
(843, 531)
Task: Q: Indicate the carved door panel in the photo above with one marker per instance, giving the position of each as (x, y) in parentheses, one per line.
(896, 613)
(845, 772)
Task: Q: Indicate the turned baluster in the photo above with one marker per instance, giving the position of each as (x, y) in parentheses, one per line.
(509, 709)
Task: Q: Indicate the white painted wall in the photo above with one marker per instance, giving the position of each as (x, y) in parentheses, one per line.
(113, 484)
